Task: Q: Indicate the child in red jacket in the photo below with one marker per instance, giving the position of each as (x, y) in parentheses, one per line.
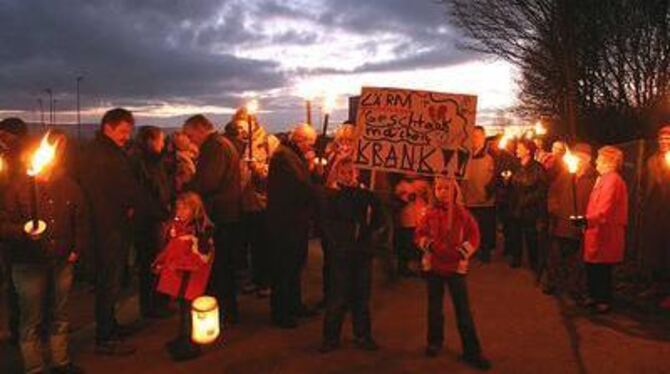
(449, 236)
(189, 250)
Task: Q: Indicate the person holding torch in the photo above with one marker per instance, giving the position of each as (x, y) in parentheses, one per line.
(43, 256)
(568, 196)
(656, 209)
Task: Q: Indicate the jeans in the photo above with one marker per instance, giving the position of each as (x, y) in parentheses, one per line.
(43, 292)
(459, 298)
(148, 244)
(405, 248)
(111, 256)
(222, 281)
(256, 238)
(486, 219)
(565, 270)
(599, 281)
(350, 276)
(523, 232)
(289, 257)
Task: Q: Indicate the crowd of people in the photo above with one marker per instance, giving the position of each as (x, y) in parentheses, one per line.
(235, 211)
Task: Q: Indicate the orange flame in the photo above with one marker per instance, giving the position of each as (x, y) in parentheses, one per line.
(540, 130)
(571, 161)
(667, 158)
(252, 106)
(43, 156)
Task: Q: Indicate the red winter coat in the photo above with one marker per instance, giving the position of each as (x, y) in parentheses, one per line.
(184, 253)
(451, 248)
(607, 216)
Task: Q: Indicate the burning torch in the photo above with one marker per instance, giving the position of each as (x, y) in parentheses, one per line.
(40, 160)
(252, 109)
(572, 162)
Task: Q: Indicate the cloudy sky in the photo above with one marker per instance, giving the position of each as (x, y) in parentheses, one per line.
(168, 59)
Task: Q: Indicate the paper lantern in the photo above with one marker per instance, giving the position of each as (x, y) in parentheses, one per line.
(205, 318)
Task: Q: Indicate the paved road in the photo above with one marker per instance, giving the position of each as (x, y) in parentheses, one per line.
(522, 331)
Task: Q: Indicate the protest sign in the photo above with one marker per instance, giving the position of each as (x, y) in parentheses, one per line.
(409, 131)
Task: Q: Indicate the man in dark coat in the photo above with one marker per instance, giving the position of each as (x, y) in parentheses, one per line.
(113, 196)
(13, 135)
(565, 272)
(290, 205)
(217, 181)
(42, 263)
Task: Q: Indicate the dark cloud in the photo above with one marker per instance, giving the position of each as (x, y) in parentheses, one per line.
(142, 52)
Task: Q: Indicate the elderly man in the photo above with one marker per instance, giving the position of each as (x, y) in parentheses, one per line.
(217, 181)
(290, 204)
(109, 184)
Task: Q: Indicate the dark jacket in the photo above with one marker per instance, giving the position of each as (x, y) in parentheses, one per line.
(158, 193)
(61, 205)
(528, 192)
(217, 179)
(348, 219)
(110, 187)
(290, 193)
(503, 161)
(561, 202)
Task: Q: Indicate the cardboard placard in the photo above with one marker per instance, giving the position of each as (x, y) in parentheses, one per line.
(414, 132)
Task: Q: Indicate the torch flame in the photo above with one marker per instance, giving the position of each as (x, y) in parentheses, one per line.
(505, 139)
(328, 103)
(540, 130)
(2, 164)
(43, 156)
(571, 161)
(667, 158)
(252, 106)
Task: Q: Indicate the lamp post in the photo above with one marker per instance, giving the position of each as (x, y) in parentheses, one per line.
(51, 104)
(54, 111)
(79, 79)
(39, 101)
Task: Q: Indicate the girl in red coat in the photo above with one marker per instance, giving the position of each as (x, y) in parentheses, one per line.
(449, 236)
(606, 220)
(189, 249)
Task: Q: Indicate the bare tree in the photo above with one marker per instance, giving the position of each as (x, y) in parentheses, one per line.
(602, 64)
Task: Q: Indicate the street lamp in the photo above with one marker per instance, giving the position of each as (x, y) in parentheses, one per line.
(39, 101)
(79, 79)
(51, 104)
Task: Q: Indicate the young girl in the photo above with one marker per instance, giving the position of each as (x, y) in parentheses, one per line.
(189, 248)
(449, 236)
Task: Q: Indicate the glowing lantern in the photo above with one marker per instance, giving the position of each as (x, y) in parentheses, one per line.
(205, 320)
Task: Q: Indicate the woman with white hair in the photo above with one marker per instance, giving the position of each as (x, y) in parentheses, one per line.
(605, 234)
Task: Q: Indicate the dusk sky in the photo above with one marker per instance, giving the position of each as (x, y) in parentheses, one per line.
(166, 60)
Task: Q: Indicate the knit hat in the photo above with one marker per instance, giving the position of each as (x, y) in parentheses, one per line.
(14, 126)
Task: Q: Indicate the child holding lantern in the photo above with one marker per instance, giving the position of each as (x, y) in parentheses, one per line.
(449, 236)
